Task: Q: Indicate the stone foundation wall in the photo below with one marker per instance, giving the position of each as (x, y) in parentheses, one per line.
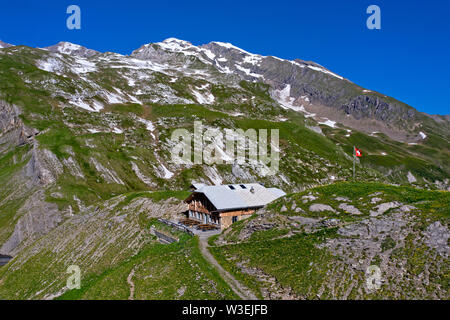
(227, 221)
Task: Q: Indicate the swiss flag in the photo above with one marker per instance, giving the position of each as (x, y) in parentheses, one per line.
(358, 152)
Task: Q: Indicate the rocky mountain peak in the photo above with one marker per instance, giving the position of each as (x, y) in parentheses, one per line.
(72, 49)
(175, 43)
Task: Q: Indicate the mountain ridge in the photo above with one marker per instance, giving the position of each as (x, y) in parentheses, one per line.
(86, 52)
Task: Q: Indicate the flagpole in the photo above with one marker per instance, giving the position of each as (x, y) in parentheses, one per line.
(354, 157)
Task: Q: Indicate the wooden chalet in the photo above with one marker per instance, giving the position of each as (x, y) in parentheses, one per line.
(222, 205)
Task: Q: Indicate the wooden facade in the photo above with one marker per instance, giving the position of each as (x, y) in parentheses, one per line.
(201, 209)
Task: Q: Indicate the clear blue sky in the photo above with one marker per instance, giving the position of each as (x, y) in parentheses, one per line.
(409, 58)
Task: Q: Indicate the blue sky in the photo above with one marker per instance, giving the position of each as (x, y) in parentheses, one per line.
(408, 58)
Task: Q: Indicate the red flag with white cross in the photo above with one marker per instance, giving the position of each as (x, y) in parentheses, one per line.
(358, 152)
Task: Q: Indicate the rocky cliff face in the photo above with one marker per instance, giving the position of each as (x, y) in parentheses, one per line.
(36, 219)
(13, 132)
(35, 169)
(373, 107)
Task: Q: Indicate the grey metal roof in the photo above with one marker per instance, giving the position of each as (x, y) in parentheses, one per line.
(198, 185)
(225, 198)
(277, 192)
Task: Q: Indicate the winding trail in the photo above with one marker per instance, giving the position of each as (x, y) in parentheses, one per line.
(242, 291)
(131, 283)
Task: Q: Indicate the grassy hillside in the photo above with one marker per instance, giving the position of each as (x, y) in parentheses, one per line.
(293, 251)
(110, 245)
(159, 272)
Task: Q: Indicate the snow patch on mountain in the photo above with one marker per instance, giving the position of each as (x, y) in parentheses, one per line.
(68, 48)
(208, 53)
(305, 98)
(283, 97)
(166, 173)
(252, 59)
(185, 47)
(52, 64)
(83, 66)
(223, 69)
(296, 63)
(230, 46)
(131, 81)
(57, 64)
(97, 106)
(148, 125)
(133, 99)
(84, 105)
(248, 71)
(329, 123)
(174, 44)
(325, 71)
(411, 178)
(138, 64)
(203, 97)
(113, 97)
